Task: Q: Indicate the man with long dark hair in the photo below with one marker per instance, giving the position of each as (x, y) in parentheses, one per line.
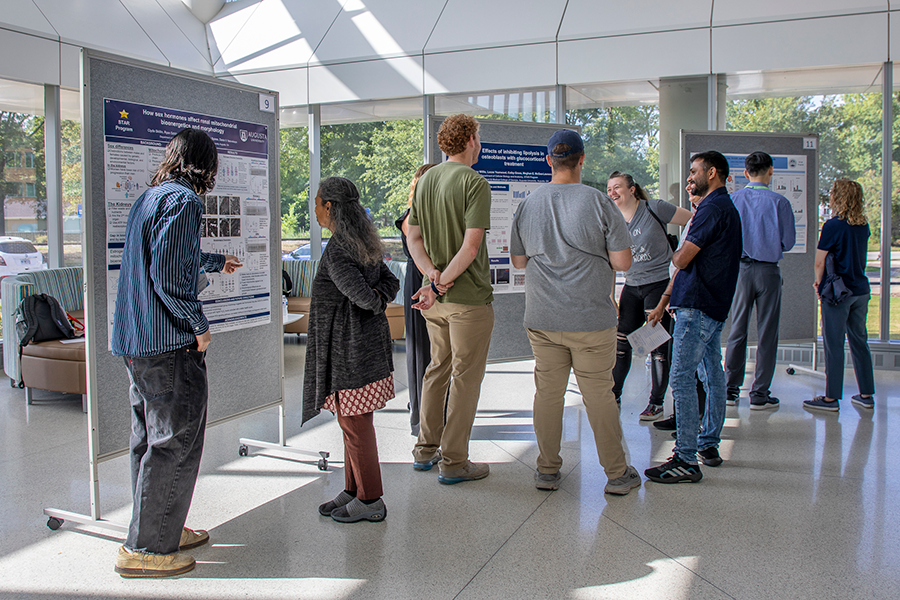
(160, 331)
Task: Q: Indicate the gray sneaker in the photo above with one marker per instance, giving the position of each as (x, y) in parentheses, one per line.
(470, 472)
(546, 481)
(357, 510)
(425, 465)
(624, 484)
(860, 401)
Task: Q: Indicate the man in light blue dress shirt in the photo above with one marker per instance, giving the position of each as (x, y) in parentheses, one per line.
(767, 225)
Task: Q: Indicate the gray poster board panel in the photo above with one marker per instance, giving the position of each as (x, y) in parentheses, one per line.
(508, 340)
(244, 366)
(798, 300)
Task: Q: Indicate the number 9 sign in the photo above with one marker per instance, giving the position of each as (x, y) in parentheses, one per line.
(267, 103)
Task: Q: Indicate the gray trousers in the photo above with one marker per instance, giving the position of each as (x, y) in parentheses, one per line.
(847, 318)
(758, 284)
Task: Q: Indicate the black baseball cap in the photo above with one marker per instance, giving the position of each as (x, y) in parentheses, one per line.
(568, 137)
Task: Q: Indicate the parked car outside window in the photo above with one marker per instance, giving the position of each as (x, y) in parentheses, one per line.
(303, 252)
(18, 255)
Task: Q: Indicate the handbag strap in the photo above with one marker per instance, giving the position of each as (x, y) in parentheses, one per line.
(658, 220)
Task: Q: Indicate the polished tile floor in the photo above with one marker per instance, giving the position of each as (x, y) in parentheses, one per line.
(805, 506)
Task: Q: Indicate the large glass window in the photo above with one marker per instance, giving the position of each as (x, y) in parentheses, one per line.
(72, 202)
(22, 182)
(842, 106)
(620, 126)
(532, 105)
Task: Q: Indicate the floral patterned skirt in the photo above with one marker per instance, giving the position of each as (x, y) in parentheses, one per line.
(363, 400)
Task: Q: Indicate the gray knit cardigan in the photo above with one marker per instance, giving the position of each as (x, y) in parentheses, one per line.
(349, 340)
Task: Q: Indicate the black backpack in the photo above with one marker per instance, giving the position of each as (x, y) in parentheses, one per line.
(40, 317)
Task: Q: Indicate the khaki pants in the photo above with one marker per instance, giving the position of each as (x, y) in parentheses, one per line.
(592, 355)
(460, 337)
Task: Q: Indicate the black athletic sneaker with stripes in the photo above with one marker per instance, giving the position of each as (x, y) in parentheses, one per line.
(674, 470)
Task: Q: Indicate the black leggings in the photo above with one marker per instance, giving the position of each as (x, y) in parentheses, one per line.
(634, 304)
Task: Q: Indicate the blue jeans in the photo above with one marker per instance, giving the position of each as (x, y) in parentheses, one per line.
(168, 423)
(697, 348)
(848, 317)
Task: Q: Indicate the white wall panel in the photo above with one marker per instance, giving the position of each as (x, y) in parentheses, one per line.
(169, 38)
(737, 12)
(894, 42)
(42, 64)
(850, 40)
(277, 34)
(102, 25)
(389, 78)
(647, 56)
(600, 18)
(491, 69)
(379, 29)
(468, 24)
(291, 84)
(70, 66)
(25, 17)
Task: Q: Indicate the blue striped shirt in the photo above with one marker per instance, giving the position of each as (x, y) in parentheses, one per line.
(157, 309)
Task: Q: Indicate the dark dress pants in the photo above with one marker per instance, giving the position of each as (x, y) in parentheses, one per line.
(848, 317)
(759, 284)
(168, 423)
(418, 346)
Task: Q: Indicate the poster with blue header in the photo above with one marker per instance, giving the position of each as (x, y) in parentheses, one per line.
(789, 180)
(514, 171)
(236, 212)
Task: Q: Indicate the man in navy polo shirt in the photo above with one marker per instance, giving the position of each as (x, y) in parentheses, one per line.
(700, 296)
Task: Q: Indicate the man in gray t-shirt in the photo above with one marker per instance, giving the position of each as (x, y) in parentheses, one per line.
(570, 239)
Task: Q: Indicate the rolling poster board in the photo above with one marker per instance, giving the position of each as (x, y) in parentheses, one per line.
(796, 177)
(513, 161)
(130, 110)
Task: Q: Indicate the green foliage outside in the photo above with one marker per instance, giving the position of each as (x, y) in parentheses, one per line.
(620, 138)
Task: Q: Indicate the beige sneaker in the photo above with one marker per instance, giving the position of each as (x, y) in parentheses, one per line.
(142, 564)
(470, 472)
(191, 538)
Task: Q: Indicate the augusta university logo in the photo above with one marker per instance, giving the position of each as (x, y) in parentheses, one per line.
(244, 135)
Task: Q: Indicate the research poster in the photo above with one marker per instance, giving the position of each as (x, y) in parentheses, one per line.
(513, 170)
(789, 180)
(236, 212)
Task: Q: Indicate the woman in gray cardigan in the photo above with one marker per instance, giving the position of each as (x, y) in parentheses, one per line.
(348, 353)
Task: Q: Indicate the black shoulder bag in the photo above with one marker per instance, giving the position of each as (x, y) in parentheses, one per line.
(671, 237)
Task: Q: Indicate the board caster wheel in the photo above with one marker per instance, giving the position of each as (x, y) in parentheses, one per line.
(54, 523)
(790, 371)
(243, 450)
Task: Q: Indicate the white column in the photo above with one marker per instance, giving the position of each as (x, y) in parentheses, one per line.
(887, 134)
(315, 174)
(683, 104)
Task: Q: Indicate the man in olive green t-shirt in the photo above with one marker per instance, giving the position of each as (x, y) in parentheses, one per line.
(450, 212)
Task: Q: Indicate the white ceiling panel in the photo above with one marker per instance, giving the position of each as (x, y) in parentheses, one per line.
(42, 65)
(647, 56)
(739, 12)
(800, 44)
(291, 84)
(224, 28)
(23, 15)
(533, 65)
(100, 24)
(192, 28)
(468, 24)
(278, 34)
(372, 29)
(169, 38)
(600, 18)
(389, 78)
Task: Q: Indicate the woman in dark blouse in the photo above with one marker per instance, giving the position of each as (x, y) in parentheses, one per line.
(348, 354)
(418, 345)
(845, 237)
